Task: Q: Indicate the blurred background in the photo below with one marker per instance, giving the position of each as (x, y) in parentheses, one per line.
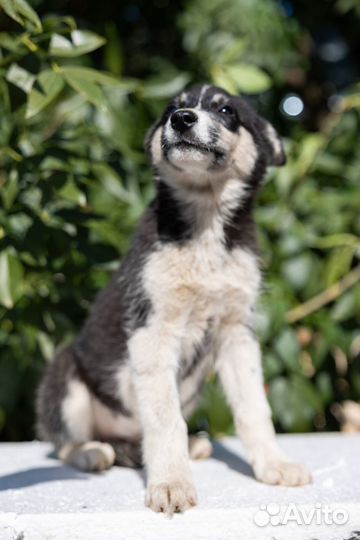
(81, 82)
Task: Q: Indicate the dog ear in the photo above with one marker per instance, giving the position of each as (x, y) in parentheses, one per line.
(273, 146)
(267, 137)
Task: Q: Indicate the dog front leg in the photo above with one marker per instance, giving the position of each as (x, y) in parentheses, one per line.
(154, 352)
(240, 371)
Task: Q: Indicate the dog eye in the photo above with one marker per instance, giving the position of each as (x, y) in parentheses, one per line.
(226, 110)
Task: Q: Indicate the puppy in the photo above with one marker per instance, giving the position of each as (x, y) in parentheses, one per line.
(181, 304)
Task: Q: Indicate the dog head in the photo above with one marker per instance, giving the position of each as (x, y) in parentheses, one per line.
(205, 134)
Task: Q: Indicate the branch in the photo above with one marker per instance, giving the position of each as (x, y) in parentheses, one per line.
(325, 297)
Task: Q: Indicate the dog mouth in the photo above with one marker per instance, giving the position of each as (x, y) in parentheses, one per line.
(189, 145)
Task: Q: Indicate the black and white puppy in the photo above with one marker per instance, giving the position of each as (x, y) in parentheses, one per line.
(181, 304)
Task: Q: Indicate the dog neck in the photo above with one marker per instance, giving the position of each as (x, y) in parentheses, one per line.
(220, 211)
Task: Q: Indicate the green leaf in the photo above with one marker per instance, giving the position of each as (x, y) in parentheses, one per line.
(21, 12)
(10, 189)
(8, 42)
(51, 163)
(346, 306)
(166, 87)
(232, 52)
(272, 366)
(72, 193)
(20, 77)
(297, 270)
(286, 346)
(89, 90)
(50, 84)
(99, 77)
(242, 78)
(222, 79)
(18, 224)
(338, 264)
(289, 403)
(11, 278)
(215, 409)
(9, 7)
(86, 41)
(113, 53)
(46, 345)
(323, 382)
(336, 240)
(307, 391)
(82, 42)
(311, 145)
(28, 13)
(111, 181)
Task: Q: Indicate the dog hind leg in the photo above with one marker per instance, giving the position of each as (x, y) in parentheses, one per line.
(199, 447)
(65, 416)
(88, 456)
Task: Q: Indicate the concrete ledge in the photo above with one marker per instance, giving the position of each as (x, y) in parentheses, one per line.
(42, 499)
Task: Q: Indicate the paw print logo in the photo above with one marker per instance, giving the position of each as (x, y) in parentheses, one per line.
(267, 514)
(262, 518)
(273, 510)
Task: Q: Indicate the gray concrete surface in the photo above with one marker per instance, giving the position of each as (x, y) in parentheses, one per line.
(43, 499)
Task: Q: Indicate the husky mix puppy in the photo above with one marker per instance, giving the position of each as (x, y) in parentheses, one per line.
(181, 304)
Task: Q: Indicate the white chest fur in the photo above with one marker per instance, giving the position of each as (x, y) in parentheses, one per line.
(201, 280)
(191, 284)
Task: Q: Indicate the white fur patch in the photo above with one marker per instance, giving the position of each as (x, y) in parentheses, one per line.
(156, 151)
(183, 99)
(109, 425)
(202, 93)
(200, 277)
(245, 153)
(86, 417)
(273, 138)
(188, 157)
(217, 100)
(77, 412)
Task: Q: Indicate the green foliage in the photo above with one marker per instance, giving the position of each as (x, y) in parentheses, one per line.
(308, 215)
(238, 43)
(72, 189)
(74, 181)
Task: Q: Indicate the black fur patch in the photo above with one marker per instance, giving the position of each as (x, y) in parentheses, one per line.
(240, 229)
(171, 223)
(119, 310)
(50, 395)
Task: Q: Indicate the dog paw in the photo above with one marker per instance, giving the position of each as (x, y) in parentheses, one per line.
(283, 473)
(199, 447)
(170, 497)
(92, 456)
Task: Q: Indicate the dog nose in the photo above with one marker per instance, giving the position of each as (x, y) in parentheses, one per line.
(182, 120)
